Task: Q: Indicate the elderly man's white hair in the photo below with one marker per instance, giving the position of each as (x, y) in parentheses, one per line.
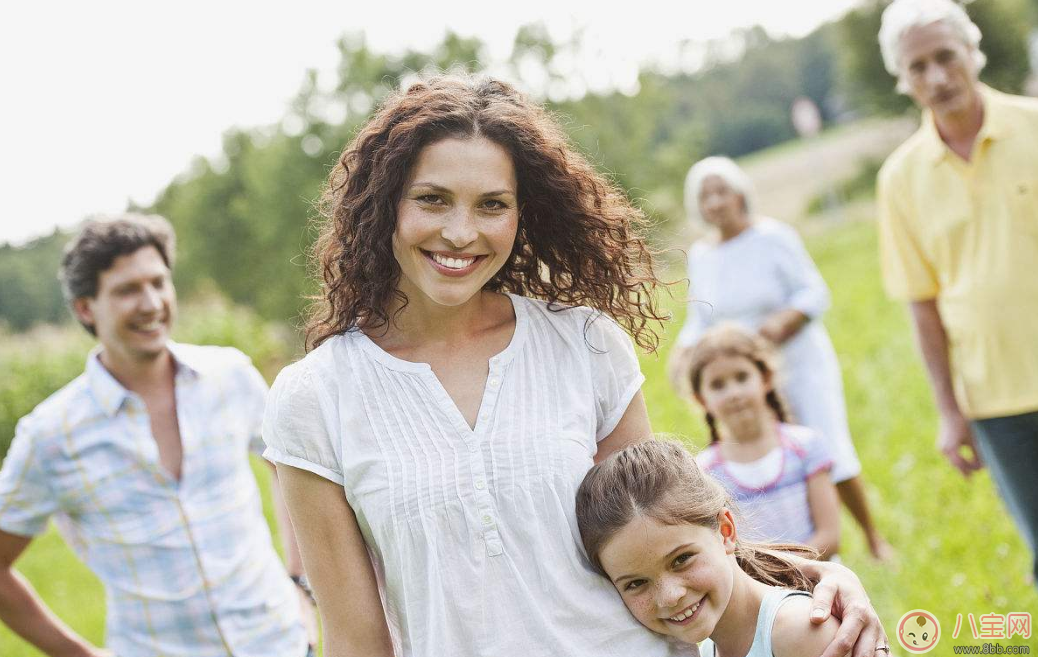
(903, 15)
(727, 170)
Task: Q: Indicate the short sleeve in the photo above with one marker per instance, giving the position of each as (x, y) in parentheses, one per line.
(296, 427)
(817, 457)
(706, 459)
(907, 273)
(26, 501)
(616, 375)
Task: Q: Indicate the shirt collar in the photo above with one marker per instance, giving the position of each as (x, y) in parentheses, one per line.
(110, 394)
(993, 128)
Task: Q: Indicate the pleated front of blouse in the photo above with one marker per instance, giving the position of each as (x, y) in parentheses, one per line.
(472, 530)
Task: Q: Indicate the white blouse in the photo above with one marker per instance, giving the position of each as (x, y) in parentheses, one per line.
(472, 532)
(762, 270)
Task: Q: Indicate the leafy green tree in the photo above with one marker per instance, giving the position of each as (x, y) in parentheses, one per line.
(1004, 25)
(245, 219)
(29, 290)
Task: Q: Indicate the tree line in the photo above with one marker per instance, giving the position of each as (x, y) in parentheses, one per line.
(245, 218)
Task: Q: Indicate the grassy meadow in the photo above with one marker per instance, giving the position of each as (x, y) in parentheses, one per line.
(958, 552)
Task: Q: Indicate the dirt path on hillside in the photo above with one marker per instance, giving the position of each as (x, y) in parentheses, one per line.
(788, 179)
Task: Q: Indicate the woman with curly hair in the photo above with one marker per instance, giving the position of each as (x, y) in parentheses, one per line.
(466, 367)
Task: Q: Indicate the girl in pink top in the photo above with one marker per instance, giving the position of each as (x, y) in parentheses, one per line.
(777, 472)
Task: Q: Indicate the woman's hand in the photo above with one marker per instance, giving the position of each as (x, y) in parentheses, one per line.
(781, 325)
(839, 593)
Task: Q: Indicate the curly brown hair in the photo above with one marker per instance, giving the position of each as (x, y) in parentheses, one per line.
(578, 242)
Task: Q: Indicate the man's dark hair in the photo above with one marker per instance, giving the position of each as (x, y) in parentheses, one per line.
(101, 241)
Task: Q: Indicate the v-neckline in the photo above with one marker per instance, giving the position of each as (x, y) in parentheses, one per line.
(491, 387)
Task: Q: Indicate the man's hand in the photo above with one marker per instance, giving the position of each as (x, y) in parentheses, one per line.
(955, 441)
(953, 431)
(27, 616)
(839, 593)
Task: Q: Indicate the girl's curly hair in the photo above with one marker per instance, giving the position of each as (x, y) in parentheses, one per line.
(577, 243)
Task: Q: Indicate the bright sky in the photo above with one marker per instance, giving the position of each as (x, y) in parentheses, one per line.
(107, 101)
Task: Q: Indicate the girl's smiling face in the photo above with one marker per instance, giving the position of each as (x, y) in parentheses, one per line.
(675, 579)
(456, 220)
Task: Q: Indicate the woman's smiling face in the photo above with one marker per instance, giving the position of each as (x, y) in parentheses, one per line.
(457, 220)
(675, 579)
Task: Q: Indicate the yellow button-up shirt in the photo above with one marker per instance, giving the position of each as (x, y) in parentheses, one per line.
(966, 234)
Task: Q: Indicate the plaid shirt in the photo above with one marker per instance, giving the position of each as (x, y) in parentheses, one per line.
(188, 567)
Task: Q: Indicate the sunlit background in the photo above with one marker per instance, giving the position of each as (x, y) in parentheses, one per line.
(226, 117)
(107, 101)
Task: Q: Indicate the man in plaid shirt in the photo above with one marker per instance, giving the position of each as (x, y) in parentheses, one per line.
(143, 463)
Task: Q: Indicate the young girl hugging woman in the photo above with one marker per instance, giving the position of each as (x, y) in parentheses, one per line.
(777, 472)
(471, 358)
(664, 533)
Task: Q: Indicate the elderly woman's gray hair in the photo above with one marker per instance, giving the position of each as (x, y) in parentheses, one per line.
(903, 15)
(727, 170)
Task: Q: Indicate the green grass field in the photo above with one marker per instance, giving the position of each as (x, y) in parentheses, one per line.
(957, 549)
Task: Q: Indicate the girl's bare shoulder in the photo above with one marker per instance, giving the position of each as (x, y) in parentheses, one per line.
(794, 635)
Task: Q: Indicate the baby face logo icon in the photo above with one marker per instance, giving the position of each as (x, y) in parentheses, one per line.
(918, 631)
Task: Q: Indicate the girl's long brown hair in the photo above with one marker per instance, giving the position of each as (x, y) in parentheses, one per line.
(661, 480)
(732, 340)
(578, 241)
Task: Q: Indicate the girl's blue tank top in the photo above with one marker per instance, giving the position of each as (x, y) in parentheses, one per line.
(769, 607)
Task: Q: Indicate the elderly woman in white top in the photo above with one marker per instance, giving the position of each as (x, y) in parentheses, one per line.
(431, 445)
(755, 271)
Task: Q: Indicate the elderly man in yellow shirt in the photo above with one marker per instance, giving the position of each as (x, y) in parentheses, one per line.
(958, 220)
